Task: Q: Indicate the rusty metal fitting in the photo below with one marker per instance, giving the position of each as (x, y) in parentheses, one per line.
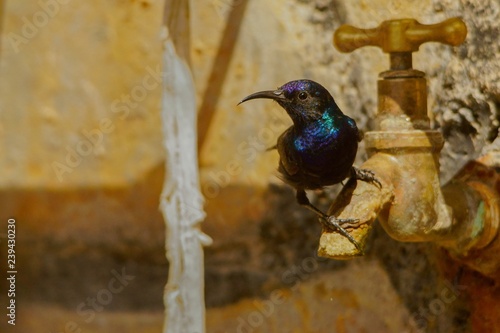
(474, 195)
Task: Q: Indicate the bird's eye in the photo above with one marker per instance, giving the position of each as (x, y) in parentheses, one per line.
(302, 95)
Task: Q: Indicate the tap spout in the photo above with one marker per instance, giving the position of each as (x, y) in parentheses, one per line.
(410, 204)
(362, 201)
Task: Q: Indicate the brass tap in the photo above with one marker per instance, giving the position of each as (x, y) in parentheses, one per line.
(402, 91)
(400, 38)
(404, 154)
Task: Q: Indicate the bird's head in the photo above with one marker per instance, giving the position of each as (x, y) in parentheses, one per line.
(304, 100)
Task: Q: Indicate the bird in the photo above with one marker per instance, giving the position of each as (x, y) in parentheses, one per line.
(319, 149)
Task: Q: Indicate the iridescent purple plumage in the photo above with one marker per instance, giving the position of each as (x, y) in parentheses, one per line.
(320, 148)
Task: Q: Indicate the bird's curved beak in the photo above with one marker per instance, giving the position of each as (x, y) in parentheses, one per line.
(276, 95)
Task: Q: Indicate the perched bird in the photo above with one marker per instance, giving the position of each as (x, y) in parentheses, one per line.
(319, 148)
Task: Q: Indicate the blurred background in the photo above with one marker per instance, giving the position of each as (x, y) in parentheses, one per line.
(82, 164)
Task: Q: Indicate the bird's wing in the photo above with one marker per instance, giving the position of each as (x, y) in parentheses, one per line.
(291, 167)
(288, 160)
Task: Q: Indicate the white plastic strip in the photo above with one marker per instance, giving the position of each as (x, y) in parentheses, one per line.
(181, 201)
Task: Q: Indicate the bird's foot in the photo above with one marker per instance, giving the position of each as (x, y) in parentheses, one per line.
(334, 224)
(366, 176)
(330, 222)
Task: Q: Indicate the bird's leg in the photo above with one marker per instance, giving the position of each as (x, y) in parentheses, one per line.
(329, 222)
(365, 175)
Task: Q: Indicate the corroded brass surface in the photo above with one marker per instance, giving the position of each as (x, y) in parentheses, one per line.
(335, 246)
(474, 196)
(362, 200)
(405, 35)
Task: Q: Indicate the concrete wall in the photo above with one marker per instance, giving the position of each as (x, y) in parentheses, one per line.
(82, 164)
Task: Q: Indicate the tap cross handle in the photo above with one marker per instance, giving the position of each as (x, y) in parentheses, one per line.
(404, 35)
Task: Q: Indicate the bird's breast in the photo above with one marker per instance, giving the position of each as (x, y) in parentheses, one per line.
(326, 149)
(323, 135)
(315, 139)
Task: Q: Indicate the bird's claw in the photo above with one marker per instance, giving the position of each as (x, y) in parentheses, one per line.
(366, 176)
(334, 224)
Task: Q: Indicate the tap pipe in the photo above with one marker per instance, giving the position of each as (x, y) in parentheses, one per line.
(474, 197)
